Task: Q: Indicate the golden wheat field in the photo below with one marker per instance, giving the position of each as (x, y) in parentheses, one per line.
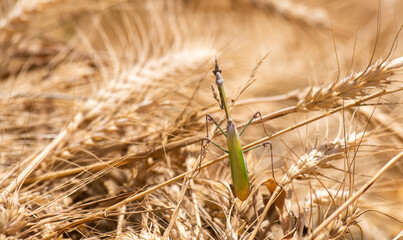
(103, 108)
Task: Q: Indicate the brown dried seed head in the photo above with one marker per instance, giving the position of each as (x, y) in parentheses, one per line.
(356, 84)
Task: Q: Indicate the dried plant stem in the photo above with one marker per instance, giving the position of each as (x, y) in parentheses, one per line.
(398, 236)
(116, 162)
(121, 220)
(197, 214)
(100, 214)
(352, 104)
(272, 199)
(174, 216)
(181, 176)
(185, 142)
(350, 87)
(187, 180)
(271, 116)
(277, 98)
(277, 191)
(250, 81)
(147, 154)
(355, 196)
(152, 189)
(385, 121)
(307, 165)
(35, 160)
(182, 143)
(292, 95)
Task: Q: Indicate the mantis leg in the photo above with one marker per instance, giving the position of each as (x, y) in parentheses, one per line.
(210, 118)
(202, 150)
(272, 162)
(208, 140)
(271, 156)
(260, 145)
(253, 117)
(258, 114)
(271, 148)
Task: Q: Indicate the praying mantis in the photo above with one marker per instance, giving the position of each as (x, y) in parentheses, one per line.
(239, 171)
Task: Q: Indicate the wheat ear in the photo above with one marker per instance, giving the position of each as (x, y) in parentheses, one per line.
(353, 86)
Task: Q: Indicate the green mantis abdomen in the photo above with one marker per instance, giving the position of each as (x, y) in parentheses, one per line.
(238, 166)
